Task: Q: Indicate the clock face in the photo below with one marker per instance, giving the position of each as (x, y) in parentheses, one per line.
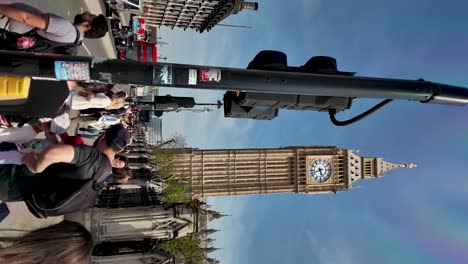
(320, 170)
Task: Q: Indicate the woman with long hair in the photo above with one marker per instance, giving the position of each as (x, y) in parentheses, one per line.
(89, 95)
(63, 243)
(118, 100)
(82, 96)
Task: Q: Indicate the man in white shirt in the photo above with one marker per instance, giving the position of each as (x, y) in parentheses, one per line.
(37, 29)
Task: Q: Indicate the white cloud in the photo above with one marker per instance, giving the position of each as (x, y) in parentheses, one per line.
(203, 130)
(231, 238)
(329, 252)
(206, 130)
(310, 8)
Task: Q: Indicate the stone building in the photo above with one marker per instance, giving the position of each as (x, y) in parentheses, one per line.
(201, 15)
(128, 224)
(131, 234)
(130, 220)
(305, 170)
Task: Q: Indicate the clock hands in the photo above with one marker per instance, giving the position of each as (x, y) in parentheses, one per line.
(320, 170)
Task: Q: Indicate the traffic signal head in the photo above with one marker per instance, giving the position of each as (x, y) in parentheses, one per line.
(324, 65)
(265, 106)
(269, 59)
(233, 108)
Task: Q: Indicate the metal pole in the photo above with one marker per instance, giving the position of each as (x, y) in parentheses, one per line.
(219, 78)
(235, 26)
(206, 104)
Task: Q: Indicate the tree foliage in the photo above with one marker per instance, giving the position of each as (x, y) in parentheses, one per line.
(177, 187)
(163, 154)
(176, 191)
(177, 140)
(185, 248)
(163, 159)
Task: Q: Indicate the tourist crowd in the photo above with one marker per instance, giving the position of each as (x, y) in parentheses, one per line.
(59, 173)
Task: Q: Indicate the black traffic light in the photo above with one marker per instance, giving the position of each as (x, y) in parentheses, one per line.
(265, 106)
(173, 102)
(233, 107)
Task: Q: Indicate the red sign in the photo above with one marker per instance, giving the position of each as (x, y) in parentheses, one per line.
(145, 9)
(209, 75)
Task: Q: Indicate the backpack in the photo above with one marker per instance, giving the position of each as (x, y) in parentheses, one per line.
(31, 41)
(58, 196)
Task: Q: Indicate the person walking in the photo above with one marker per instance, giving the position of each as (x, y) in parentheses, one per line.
(25, 28)
(59, 172)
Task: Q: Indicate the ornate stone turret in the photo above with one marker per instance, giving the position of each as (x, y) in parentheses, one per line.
(250, 6)
(241, 5)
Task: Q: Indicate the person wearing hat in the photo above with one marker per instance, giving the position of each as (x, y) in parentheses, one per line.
(79, 162)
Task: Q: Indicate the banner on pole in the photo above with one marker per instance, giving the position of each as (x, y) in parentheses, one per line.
(163, 75)
(210, 75)
(192, 77)
(72, 71)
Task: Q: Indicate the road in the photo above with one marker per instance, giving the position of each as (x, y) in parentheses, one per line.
(69, 8)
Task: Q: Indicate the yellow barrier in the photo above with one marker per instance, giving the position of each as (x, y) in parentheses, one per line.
(14, 87)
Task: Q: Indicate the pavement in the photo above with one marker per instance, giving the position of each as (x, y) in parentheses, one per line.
(20, 220)
(103, 47)
(107, 42)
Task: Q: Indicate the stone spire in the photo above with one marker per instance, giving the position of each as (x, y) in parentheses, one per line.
(212, 215)
(208, 231)
(212, 261)
(209, 250)
(369, 167)
(209, 240)
(384, 166)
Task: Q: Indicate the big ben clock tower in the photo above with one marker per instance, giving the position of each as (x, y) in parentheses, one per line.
(305, 170)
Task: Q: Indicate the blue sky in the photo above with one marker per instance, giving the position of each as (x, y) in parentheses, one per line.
(410, 216)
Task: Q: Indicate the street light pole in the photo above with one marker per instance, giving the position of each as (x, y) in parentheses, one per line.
(218, 104)
(220, 78)
(195, 110)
